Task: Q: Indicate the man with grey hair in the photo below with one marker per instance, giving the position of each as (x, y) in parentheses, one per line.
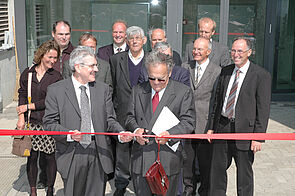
(79, 104)
(144, 107)
(203, 75)
(219, 53)
(119, 41)
(125, 70)
(178, 73)
(159, 35)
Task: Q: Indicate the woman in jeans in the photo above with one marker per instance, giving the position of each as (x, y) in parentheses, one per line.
(42, 76)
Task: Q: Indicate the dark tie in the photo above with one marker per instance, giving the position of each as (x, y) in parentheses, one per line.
(155, 101)
(198, 75)
(229, 110)
(85, 117)
(119, 50)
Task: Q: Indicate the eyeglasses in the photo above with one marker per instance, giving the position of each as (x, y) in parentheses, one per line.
(137, 38)
(159, 79)
(90, 66)
(239, 51)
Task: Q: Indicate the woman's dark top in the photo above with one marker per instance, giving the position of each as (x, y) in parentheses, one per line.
(38, 91)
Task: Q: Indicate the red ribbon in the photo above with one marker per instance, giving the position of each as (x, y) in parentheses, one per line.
(220, 136)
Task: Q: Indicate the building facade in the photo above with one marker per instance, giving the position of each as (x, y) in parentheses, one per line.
(268, 23)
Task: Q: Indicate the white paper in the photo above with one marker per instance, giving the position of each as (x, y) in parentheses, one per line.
(164, 122)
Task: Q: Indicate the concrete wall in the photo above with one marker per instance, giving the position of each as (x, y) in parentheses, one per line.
(7, 77)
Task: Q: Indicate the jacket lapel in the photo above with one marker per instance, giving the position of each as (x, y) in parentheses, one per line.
(226, 80)
(146, 102)
(123, 63)
(71, 94)
(192, 69)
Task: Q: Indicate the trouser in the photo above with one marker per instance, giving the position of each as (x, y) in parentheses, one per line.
(122, 174)
(223, 152)
(86, 175)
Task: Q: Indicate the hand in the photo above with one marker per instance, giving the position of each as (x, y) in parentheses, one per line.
(21, 109)
(77, 136)
(20, 125)
(126, 138)
(255, 146)
(162, 140)
(141, 140)
(210, 132)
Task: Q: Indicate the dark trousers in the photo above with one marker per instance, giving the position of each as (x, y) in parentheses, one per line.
(32, 168)
(142, 188)
(86, 175)
(223, 152)
(122, 174)
(197, 161)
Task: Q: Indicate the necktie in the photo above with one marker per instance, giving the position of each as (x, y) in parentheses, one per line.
(119, 50)
(155, 101)
(85, 117)
(229, 110)
(198, 75)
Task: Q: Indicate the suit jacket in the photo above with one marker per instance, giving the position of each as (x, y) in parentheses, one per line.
(176, 58)
(121, 84)
(62, 113)
(179, 99)
(103, 74)
(253, 103)
(179, 74)
(203, 93)
(105, 52)
(219, 54)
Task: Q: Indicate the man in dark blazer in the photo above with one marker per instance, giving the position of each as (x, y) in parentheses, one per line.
(119, 41)
(178, 73)
(145, 105)
(82, 160)
(219, 54)
(104, 70)
(242, 105)
(203, 83)
(159, 35)
(125, 70)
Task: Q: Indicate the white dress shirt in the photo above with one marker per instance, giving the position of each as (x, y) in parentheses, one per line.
(243, 72)
(78, 94)
(136, 60)
(203, 67)
(115, 47)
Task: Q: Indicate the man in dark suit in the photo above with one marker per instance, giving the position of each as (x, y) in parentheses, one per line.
(145, 105)
(203, 78)
(125, 70)
(178, 73)
(79, 104)
(159, 35)
(219, 54)
(241, 105)
(119, 41)
(104, 70)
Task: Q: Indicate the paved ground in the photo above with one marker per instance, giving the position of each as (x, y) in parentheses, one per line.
(274, 166)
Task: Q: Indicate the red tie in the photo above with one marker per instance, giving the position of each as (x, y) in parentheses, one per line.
(155, 101)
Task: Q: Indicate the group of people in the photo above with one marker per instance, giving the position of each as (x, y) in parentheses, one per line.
(123, 89)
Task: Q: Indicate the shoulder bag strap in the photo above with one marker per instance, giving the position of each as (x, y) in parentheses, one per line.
(29, 97)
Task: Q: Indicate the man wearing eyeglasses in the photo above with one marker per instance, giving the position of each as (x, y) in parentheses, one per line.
(203, 78)
(219, 54)
(125, 69)
(145, 105)
(241, 105)
(79, 104)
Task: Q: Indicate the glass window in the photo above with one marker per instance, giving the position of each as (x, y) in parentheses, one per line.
(247, 19)
(94, 16)
(284, 66)
(193, 10)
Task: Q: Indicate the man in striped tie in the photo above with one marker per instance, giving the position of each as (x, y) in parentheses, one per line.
(241, 105)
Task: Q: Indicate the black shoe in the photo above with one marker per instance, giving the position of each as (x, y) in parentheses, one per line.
(119, 192)
(41, 185)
